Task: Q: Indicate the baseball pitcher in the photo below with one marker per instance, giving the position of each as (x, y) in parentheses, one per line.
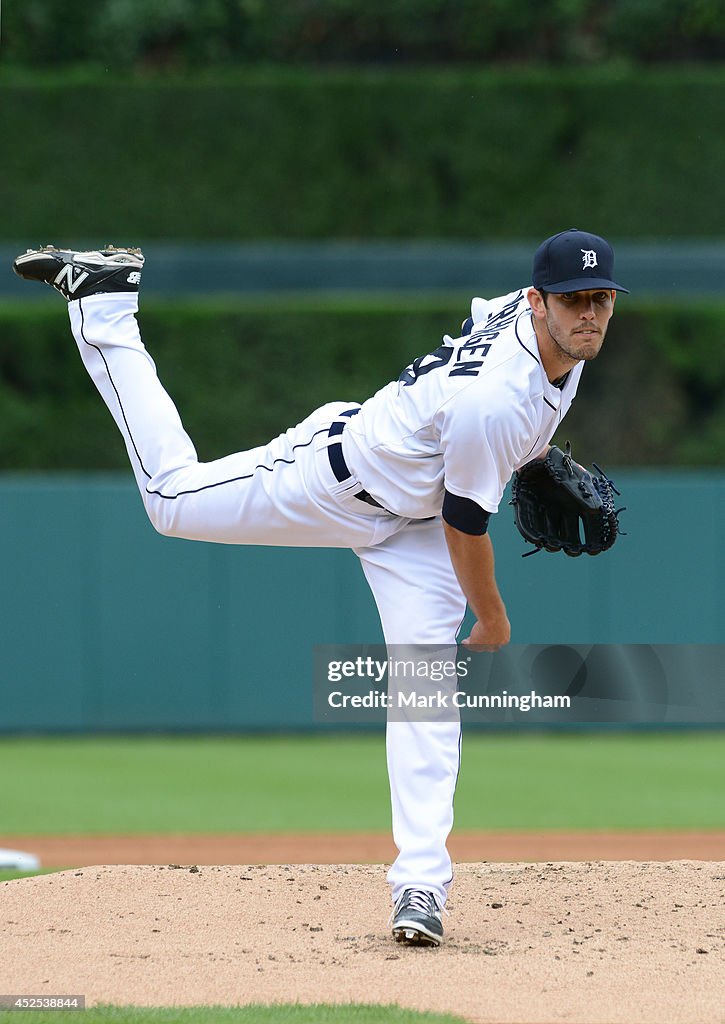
(408, 480)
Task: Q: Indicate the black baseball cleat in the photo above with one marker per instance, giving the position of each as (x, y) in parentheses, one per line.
(79, 274)
(417, 919)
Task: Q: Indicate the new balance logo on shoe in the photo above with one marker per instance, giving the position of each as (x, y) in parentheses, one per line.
(134, 277)
(71, 278)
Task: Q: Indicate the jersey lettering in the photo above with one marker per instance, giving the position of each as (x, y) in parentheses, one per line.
(424, 364)
(479, 343)
(466, 368)
(471, 354)
(482, 348)
(495, 323)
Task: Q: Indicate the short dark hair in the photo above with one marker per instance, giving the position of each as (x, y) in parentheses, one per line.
(544, 295)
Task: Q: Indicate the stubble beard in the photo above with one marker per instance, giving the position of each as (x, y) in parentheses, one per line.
(568, 348)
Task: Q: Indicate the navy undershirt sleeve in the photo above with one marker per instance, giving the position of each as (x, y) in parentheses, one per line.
(465, 515)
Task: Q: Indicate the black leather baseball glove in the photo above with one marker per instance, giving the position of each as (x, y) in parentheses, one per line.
(561, 506)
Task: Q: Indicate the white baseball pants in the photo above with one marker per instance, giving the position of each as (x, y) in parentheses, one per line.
(285, 493)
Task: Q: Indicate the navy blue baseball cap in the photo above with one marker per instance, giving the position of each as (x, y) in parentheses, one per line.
(574, 261)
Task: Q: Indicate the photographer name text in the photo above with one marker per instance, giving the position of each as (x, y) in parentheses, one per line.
(459, 699)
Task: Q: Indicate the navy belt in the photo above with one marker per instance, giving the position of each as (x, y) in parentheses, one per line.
(337, 460)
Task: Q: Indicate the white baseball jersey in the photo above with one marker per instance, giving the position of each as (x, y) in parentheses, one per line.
(461, 418)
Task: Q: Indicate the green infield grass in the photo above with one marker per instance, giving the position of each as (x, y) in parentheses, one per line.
(338, 783)
(8, 875)
(278, 1014)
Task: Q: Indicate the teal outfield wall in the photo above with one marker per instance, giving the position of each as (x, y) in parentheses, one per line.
(106, 625)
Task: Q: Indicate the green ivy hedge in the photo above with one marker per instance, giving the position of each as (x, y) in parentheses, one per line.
(122, 33)
(240, 374)
(289, 154)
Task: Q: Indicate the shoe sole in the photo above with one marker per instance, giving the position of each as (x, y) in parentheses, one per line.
(414, 935)
(94, 259)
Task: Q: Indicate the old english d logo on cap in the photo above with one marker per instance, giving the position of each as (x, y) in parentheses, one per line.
(574, 261)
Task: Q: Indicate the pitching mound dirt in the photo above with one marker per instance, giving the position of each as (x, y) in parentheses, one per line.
(596, 942)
